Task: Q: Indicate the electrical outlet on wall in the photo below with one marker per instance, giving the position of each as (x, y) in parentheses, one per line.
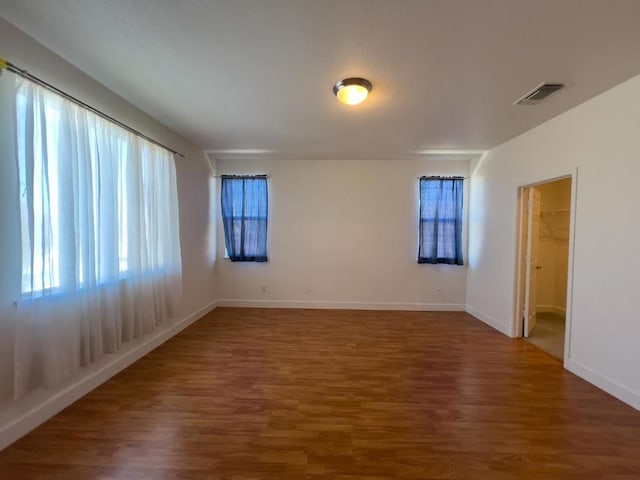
(307, 290)
(263, 289)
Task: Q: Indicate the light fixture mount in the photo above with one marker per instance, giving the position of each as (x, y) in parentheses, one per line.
(352, 91)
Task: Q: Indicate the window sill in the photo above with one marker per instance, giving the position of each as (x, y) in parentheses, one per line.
(59, 293)
(248, 259)
(440, 261)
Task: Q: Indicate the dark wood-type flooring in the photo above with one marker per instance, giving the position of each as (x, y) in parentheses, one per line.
(317, 394)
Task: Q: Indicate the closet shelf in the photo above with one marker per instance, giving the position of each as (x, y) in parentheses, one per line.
(555, 212)
(555, 224)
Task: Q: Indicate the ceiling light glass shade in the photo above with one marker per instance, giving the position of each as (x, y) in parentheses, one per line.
(352, 91)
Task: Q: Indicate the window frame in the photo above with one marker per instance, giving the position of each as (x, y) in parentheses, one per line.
(246, 258)
(48, 133)
(456, 205)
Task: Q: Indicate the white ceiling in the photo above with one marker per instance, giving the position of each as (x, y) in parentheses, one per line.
(254, 77)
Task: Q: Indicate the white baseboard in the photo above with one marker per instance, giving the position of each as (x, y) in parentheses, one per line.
(26, 422)
(551, 309)
(433, 307)
(492, 322)
(611, 387)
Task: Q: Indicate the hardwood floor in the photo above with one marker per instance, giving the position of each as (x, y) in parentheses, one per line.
(317, 394)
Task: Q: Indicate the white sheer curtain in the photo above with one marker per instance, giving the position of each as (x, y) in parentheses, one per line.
(98, 236)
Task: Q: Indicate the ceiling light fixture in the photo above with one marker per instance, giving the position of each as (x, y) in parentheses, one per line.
(352, 91)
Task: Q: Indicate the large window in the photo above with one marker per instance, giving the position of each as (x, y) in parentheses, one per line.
(244, 202)
(96, 201)
(90, 244)
(440, 220)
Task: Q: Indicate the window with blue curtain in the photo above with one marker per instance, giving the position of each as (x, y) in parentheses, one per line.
(440, 220)
(244, 204)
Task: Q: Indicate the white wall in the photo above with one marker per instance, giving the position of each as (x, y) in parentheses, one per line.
(196, 218)
(601, 139)
(342, 234)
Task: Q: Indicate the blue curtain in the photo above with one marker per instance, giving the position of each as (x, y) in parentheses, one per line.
(244, 216)
(440, 220)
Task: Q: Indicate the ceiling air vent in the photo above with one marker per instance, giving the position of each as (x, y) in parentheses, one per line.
(538, 94)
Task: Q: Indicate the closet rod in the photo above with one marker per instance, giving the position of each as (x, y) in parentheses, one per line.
(4, 64)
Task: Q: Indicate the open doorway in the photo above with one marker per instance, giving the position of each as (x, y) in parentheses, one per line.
(545, 219)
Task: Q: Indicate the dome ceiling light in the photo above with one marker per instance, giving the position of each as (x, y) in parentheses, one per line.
(352, 91)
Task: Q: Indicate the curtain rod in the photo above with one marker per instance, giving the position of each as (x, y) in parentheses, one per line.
(265, 175)
(437, 177)
(4, 64)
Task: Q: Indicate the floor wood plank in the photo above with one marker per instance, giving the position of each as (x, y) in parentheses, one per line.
(320, 394)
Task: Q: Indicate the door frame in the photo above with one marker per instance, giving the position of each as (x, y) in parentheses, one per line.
(526, 261)
(518, 322)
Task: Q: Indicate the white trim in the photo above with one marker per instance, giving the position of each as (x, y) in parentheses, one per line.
(240, 154)
(443, 154)
(568, 317)
(516, 324)
(528, 316)
(550, 176)
(434, 307)
(610, 386)
(519, 281)
(492, 322)
(26, 422)
(551, 309)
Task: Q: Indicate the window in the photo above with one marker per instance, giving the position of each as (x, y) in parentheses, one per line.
(95, 200)
(90, 239)
(440, 220)
(244, 216)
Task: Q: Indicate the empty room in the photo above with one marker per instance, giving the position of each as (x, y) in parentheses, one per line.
(319, 239)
